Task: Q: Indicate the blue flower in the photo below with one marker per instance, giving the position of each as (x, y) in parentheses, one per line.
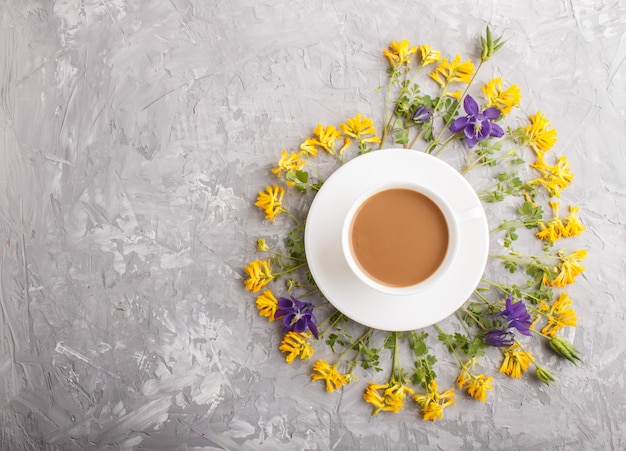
(297, 316)
(422, 114)
(477, 124)
(515, 315)
(499, 338)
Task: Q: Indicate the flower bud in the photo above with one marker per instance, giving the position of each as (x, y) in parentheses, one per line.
(261, 245)
(422, 114)
(544, 375)
(565, 349)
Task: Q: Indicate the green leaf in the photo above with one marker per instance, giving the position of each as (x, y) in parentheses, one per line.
(303, 176)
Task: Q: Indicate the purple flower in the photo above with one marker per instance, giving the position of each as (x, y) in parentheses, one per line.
(422, 114)
(499, 338)
(297, 316)
(516, 316)
(477, 125)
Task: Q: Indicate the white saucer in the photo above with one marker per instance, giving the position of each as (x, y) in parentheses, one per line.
(341, 286)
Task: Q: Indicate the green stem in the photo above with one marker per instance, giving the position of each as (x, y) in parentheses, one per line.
(280, 254)
(340, 316)
(309, 293)
(507, 289)
(364, 336)
(290, 270)
(396, 358)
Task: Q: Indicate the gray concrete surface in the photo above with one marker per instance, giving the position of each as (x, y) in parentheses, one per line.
(135, 136)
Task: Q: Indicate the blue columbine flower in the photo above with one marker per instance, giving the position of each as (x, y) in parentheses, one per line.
(515, 315)
(297, 316)
(499, 338)
(422, 114)
(477, 125)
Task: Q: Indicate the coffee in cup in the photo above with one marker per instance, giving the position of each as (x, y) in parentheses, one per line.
(397, 238)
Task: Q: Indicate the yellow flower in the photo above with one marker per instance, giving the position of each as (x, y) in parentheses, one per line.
(569, 267)
(478, 386)
(539, 135)
(290, 163)
(374, 397)
(346, 144)
(502, 100)
(295, 344)
(555, 228)
(454, 94)
(573, 227)
(359, 127)
(429, 55)
(433, 402)
(560, 315)
(398, 53)
(309, 146)
(463, 378)
(326, 137)
(390, 400)
(324, 371)
(448, 72)
(516, 361)
(554, 178)
(267, 304)
(271, 201)
(259, 274)
(394, 397)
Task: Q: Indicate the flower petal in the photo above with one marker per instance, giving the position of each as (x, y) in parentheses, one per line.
(492, 113)
(470, 106)
(471, 141)
(496, 131)
(458, 124)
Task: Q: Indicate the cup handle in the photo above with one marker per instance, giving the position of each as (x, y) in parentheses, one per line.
(469, 215)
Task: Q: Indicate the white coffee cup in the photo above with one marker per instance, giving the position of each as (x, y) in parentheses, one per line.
(452, 220)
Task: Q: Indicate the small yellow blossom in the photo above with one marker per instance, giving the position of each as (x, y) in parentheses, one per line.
(454, 94)
(373, 396)
(454, 71)
(326, 137)
(561, 314)
(296, 344)
(463, 378)
(516, 361)
(504, 100)
(433, 402)
(573, 227)
(539, 135)
(555, 228)
(259, 275)
(271, 201)
(346, 144)
(554, 178)
(478, 386)
(359, 128)
(429, 55)
(568, 268)
(322, 370)
(267, 304)
(310, 147)
(290, 163)
(390, 400)
(398, 53)
(394, 397)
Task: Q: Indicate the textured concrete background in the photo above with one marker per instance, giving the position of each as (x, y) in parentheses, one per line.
(134, 138)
